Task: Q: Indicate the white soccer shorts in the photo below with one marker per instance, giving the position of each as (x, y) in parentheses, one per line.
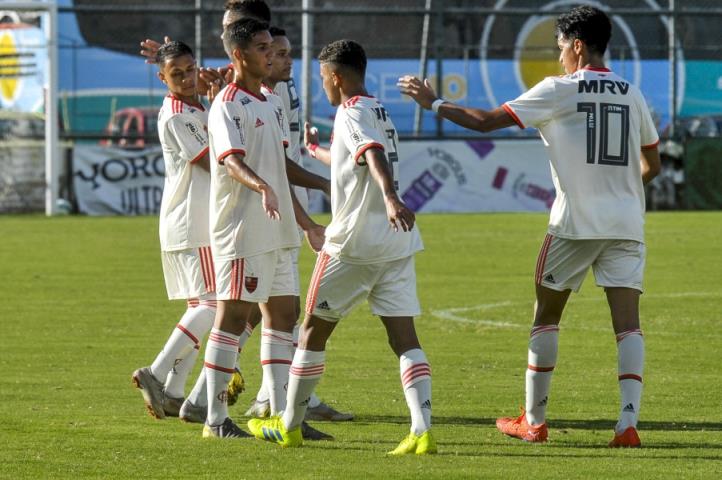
(337, 287)
(563, 263)
(254, 279)
(188, 273)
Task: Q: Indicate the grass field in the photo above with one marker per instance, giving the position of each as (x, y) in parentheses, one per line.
(83, 305)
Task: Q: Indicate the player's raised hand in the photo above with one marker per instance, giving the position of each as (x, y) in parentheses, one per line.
(421, 92)
(210, 82)
(316, 236)
(399, 214)
(149, 49)
(310, 135)
(269, 202)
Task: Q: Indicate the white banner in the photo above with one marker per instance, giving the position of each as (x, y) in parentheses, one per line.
(436, 176)
(112, 181)
(475, 176)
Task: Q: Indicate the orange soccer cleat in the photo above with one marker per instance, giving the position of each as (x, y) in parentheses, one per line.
(627, 439)
(519, 428)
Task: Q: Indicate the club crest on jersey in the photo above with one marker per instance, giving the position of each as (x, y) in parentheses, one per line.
(251, 284)
(259, 122)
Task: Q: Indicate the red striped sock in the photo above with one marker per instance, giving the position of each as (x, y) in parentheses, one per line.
(542, 358)
(416, 380)
(304, 375)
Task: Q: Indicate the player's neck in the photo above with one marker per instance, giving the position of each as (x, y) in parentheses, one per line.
(192, 100)
(594, 61)
(353, 91)
(248, 82)
(270, 83)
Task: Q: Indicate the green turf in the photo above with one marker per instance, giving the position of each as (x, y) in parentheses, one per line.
(83, 304)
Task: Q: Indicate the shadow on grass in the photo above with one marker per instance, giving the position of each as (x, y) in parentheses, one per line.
(554, 423)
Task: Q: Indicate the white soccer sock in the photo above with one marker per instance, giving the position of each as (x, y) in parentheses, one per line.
(193, 325)
(221, 353)
(542, 358)
(242, 342)
(416, 381)
(199, 396)
(175, 382)
(630, 366)
(314, 401)
(276, 357)
(304, 375)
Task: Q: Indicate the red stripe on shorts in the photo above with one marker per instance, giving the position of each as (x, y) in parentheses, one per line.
(321, 263)
(541, 260)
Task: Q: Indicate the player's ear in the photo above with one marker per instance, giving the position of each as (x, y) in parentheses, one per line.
(336, 79)
(161, 77)
(577, 46)
(237, 54)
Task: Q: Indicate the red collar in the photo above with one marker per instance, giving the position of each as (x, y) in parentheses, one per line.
(199, 106)
(596, 69)
(259, 97)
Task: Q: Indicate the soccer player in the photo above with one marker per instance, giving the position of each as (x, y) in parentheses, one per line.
(602, 145)
(184, 236)
(368, 254)
(252, 222)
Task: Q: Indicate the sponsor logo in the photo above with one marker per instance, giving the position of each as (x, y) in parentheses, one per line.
(237, 122)
(251, 283)
(426, 404)
(628, 408)
(543, 402)
(549, 278)
(192, 128)
(305, 402)
(323, 306)
(245, 101)
(279, 117)
(259, 122)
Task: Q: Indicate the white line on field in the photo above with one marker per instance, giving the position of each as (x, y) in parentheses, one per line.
(461, 314)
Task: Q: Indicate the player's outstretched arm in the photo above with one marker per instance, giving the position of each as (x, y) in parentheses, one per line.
(301, 177)
(315, 234)
(149, 48)
(471, 118)
(398, 214)
(310, 141)
(242, 173)
(651, 164)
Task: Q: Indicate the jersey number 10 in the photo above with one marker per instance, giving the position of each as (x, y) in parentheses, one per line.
(613, 127)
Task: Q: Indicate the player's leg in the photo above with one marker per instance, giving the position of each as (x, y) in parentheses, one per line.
(620, 270)
(277, 348)
(185, 278)
(561, 267)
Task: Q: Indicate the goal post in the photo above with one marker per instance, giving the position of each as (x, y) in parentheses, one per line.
(16, 70)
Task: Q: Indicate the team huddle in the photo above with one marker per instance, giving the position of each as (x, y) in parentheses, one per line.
(233, 216)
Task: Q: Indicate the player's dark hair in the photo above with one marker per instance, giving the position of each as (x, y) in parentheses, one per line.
(257, 9)
(171, 50)
(588, 24)
(239, 34)
(346, 54)
(277, 32)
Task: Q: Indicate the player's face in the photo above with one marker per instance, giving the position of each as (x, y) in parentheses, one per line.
(568, 56)
(282, 61)
(257, 58)
(330, 85)
(180, 74)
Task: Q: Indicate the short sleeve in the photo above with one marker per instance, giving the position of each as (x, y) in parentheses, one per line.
(190, 135)
(535, 107)
(649, 138)
(360, 132)
(228, 127)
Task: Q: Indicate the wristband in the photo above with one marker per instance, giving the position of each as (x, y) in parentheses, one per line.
(436, 104)
(312, 149)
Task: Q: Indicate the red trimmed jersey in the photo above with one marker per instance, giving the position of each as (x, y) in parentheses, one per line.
(360, 232)
(254, 128)
(186, 191)
(594, 124)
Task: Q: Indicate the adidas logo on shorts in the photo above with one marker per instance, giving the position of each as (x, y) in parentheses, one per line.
(549, 278)
(323, 306)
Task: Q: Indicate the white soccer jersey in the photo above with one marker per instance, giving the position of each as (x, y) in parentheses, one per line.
(255, 127)
(359, 231)
(594, 124)
(184, 207)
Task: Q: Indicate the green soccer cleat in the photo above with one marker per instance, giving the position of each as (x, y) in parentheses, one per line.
(273, 430)
(421, 445)
(236, 386)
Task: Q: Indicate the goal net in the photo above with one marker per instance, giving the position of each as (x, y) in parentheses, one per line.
(29, 155)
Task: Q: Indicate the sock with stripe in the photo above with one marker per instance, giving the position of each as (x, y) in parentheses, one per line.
(276, 357)
(242, 342)
(175, 382)
(630, 366)
(304, 375)
(192, 327)
(542, 358)
(198, 395)
(221, 353)
(313, 401)
(416, 382)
